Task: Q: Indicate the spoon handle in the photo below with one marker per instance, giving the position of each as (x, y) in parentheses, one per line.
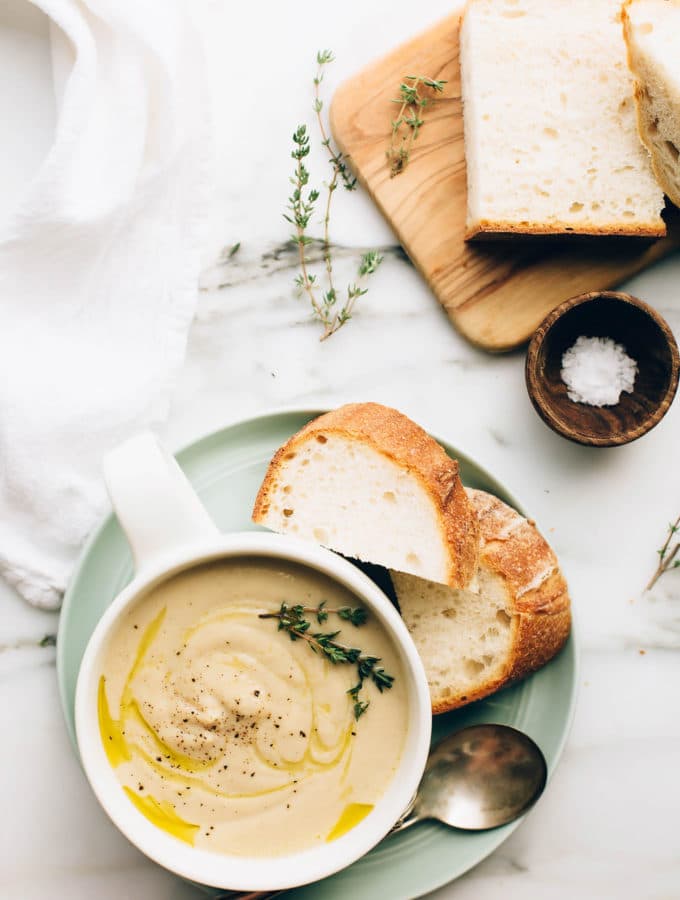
(409, 818)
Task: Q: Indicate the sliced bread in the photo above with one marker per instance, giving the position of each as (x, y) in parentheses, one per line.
(366, 481)
(550, 135)
(473, 643)
(652, 32)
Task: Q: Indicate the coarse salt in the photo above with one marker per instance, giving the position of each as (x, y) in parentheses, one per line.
(596, 370)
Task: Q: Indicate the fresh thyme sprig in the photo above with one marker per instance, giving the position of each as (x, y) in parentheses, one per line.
(292, 619)
(301, 208)
(324, 300)
(336, 158)
(357, 615)
(406, 127)
(667, 554)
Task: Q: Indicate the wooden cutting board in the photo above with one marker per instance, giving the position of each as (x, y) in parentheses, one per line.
(495, 293)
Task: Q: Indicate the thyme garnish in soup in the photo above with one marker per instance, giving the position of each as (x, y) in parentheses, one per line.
(250, 707)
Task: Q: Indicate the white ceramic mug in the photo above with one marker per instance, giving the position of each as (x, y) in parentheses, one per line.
(169, 530)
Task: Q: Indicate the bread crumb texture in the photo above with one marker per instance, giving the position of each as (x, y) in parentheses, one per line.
(474, 642)
(550, 128)
(366, 481)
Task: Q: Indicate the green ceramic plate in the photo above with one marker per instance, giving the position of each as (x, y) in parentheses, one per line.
(226, 469)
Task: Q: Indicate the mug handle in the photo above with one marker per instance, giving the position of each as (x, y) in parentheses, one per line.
(156, 506)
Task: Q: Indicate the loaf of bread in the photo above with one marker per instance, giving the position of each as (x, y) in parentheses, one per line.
(473, 643)
(652, 32)
(366, 481)
(550, 134)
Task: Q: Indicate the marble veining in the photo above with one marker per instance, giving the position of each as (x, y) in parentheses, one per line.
(233, 268)
(607, 825)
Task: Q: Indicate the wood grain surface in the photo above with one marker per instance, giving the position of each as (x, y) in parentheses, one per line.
(497, 292)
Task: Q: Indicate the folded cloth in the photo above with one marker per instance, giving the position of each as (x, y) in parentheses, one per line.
(98, 272)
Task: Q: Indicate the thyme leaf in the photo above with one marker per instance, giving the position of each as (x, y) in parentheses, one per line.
(294, 621)
(332, 308)
(406, 127)
(668, 554)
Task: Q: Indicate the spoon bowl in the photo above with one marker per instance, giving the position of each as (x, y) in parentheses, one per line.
(480, 777)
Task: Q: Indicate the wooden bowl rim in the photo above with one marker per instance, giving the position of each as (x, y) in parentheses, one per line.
(545, 409)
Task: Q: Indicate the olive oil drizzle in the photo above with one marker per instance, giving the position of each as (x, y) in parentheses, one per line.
(118, 748)
(163, 815)
(351, 815)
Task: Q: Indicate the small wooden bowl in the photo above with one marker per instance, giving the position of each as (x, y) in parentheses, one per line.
(646, 338)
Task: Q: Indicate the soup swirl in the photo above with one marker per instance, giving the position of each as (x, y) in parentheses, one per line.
(231, 736)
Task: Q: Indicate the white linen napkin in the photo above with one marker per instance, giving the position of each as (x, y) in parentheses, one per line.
(98, 272)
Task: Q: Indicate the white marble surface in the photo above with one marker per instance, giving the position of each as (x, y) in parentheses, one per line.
(607, 825)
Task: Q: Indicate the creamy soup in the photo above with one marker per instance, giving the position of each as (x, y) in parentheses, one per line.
(231, 736)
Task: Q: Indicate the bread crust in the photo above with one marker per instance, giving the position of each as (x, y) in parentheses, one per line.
(642, 113)
(488, 229)
(395, 436)
(538, 599)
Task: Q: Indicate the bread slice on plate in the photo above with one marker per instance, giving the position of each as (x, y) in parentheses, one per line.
(652, 31)
(472, 644)
(551, 141)
(366, 481)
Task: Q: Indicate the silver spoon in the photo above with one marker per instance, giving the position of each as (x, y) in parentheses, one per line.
(480, 777)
